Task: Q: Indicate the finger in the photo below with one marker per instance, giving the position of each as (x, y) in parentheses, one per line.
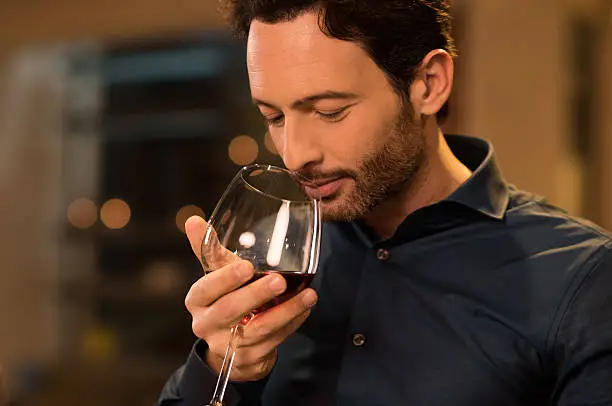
(205, 244)
(232, 307)
(254, 355)
(278, 317)
(195, 228)
(209, 288)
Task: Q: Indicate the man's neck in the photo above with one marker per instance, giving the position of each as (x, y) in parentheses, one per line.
(438, 178)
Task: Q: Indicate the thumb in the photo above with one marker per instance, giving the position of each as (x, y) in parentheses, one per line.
(205, 244)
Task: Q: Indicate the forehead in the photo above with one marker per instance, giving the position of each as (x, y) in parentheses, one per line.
(296, 58)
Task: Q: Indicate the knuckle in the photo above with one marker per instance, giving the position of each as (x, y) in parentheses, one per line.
(189, 301)
(196, 295)
(197, 328)
(261, 330)
(200, 324)
(228, 275)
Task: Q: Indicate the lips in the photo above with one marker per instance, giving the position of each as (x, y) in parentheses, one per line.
(325, 188)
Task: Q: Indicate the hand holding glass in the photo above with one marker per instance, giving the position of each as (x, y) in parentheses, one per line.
(265, 217)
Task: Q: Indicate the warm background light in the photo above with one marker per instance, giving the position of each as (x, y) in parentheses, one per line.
(115, 214)
(269, 143)
(185, 212)
(243, 150)
(82, 213)
(162, 278)
(99, 343)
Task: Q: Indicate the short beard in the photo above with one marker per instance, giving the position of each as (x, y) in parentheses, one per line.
(384, 173)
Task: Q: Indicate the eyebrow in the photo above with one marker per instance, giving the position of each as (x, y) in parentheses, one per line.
(309, 100)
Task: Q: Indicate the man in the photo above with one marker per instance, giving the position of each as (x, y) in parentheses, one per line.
(439, 283)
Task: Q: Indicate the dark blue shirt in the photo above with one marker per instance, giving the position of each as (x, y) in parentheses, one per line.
(490, 297)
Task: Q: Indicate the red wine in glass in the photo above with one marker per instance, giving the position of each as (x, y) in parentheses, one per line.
(296, 282)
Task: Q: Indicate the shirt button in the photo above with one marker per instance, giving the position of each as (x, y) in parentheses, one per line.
(358, 340)
(382, 254)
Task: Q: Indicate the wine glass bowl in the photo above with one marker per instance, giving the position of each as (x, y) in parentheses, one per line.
(266, 217)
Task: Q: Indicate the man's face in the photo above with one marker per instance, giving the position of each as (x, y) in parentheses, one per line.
(333, 115)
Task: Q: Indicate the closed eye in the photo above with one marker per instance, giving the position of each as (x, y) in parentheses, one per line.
(335, 115)
(274, 121)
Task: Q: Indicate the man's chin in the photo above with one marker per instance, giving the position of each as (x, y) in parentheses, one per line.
(339, 208)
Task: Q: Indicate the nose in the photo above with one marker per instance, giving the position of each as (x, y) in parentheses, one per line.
(299, 146)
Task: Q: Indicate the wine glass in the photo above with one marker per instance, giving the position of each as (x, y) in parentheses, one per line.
(271, 217)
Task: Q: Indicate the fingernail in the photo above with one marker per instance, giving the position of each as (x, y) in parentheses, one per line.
(245, 270)
(277, 284)
(309, 298)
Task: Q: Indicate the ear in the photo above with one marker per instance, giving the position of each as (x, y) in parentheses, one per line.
(433, 82)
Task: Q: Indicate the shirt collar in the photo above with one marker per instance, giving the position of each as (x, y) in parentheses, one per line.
(485, 191)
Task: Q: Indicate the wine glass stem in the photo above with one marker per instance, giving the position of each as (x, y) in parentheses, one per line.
(226, 367)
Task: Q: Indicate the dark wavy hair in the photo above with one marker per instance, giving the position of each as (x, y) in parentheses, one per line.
(397, 34)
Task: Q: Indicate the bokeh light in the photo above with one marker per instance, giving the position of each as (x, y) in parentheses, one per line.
(99, 343)
(115, 214)
(185, 212)
(243, 150)
(82, 213)
(162, 279)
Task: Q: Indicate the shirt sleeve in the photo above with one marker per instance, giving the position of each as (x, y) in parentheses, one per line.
(584, 341)
(193, 384)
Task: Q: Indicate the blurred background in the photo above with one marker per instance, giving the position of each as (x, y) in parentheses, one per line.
(118, 120)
